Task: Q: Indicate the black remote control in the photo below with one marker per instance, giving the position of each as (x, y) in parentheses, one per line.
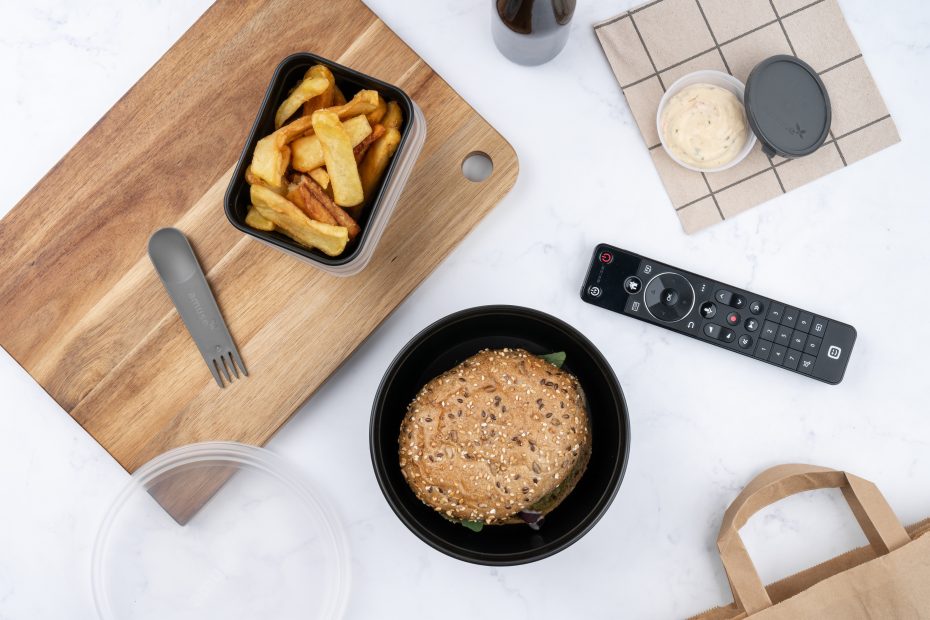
(723, 315)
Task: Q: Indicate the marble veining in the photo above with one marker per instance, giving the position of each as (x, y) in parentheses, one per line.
(852, 245)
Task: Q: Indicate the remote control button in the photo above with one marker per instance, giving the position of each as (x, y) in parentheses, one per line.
(776, 310)
(813, 346)
(702, 287)
(745, 341)
(720, 333)
(777, 355)
(834, 352)
(607, 257)
(738, 302)
(783, 335)
(594, 291)
(790, 316)
(632, 285)
(646, 269)
(690, 326)
(708, 310)
(769, 330)
(724, 297)
(669, 297)
(733, 318)
(792, 358)
(756, 307)
(807, 363)
(804, 321)
(634, 306)
(819, 326)
(798, 338)
(763, 350)
(751, 325)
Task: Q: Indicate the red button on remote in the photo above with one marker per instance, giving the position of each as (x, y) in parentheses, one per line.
(606, 257)
(733, 318)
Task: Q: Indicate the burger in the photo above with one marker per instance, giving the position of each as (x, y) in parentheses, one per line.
(500, 439)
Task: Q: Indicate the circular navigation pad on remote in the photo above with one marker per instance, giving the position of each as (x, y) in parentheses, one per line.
(669, 297)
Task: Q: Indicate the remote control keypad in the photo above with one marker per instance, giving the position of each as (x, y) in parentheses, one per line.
(784, 339)
(791, 331)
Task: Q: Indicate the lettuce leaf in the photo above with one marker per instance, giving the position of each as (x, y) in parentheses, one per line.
(556, 359)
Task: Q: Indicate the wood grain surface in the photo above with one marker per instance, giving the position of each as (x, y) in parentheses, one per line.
(84, 312)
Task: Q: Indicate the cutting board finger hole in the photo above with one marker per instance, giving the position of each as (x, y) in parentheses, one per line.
(477, 166)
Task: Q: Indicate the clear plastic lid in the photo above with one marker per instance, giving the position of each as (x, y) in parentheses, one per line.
(219, 530)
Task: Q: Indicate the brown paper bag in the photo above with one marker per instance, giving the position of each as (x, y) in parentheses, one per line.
(889, 578)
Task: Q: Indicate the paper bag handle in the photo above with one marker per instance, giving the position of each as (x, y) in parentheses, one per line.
(882, 528)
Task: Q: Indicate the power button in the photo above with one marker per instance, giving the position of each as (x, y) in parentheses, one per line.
(607, 258)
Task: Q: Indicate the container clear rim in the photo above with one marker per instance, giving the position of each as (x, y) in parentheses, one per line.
(243, 456)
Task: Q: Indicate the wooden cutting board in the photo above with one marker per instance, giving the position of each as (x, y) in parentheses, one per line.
(83, 310)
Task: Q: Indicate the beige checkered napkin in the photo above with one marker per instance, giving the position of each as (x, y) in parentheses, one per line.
(653, 45)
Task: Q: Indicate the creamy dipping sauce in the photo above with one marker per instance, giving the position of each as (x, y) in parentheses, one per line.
(704, 126)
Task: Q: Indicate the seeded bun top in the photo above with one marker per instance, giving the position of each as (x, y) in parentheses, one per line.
(494, 436)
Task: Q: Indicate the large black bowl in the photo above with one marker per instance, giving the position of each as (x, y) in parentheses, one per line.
(450, 341)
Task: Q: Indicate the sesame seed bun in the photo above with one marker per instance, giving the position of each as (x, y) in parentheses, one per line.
(503, 432)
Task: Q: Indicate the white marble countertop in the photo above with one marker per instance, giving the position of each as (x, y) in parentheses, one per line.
(853, 245)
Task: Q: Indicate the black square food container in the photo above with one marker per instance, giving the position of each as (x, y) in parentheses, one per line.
(375, 217)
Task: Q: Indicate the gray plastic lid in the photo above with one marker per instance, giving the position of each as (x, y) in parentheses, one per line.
(787, 106)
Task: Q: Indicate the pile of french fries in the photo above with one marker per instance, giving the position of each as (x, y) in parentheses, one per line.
(312, 177)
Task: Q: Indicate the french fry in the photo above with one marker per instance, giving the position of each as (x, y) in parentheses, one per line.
(307, 203)
(320, 176)
(377, 114)
(338, 97)
(269, 162)
(364, 102)
(272, 154)
(252, 179)
(309, 88)
(376, 161)
(254, 219)
(340, 162)
(307, 152)
(315, 209)
(293, 193)
(393, 117)
(361, 148)
(290, 220)
(341, 217)
(324, 99)
(294, 130)
(344, 219)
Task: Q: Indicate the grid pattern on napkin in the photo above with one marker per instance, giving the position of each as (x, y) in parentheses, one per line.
(651, 46)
